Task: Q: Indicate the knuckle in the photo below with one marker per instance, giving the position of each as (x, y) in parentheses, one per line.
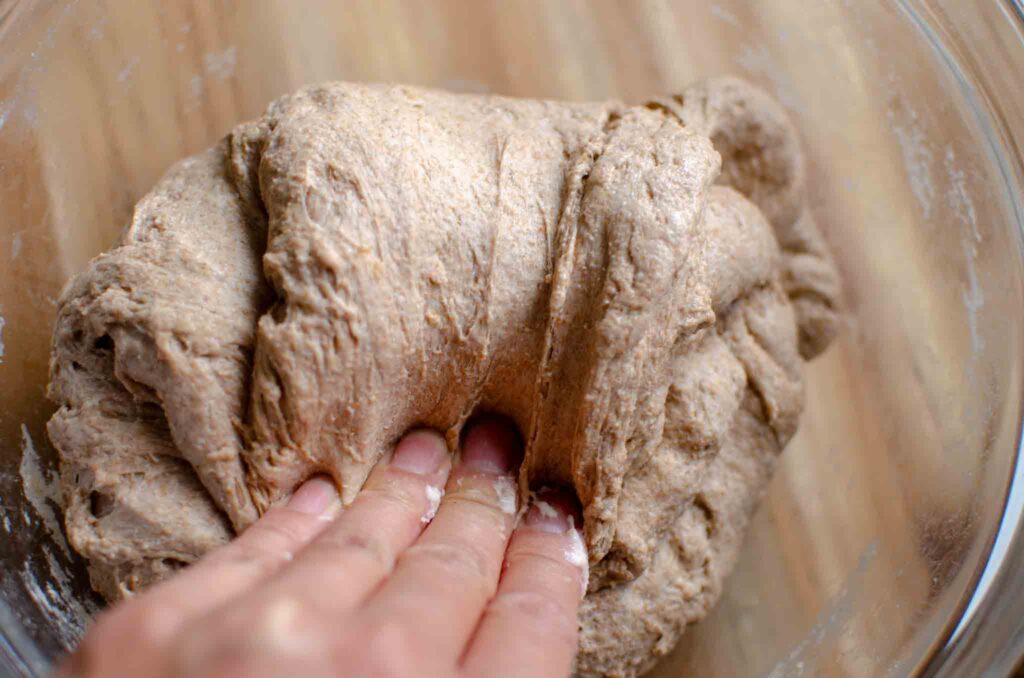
(268, 544)
(483, 503)
(547, 567)
(264, 559)
(461, 562)
(399, 494)
(284, 528)
(353, 543)
(547, 618)
(472, 488)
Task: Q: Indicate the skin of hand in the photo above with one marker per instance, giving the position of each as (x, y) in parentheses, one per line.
(395, 584)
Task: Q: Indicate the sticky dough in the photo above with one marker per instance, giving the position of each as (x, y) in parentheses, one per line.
(636, 286)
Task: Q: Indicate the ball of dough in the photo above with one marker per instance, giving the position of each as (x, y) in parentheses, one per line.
(635, 286)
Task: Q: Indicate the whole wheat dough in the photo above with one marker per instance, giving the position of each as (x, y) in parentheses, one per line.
(634, 285)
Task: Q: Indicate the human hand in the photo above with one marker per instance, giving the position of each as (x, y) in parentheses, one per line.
(381, 588)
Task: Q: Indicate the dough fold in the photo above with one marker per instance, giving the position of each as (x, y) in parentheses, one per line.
(635, 286)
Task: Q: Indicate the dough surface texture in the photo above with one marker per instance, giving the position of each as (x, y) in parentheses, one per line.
(635, 286)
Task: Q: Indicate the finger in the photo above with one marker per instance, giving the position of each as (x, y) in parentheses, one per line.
(353, 556)
(297, 613)
(443, 582)
(530, 627)
(125, 639)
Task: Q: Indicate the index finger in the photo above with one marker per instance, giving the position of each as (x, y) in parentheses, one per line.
(530, 627)
(128, 639)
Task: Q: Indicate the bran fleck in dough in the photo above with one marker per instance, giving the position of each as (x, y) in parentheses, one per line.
(636, 286)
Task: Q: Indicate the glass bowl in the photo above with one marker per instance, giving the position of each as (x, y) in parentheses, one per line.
(889, 542)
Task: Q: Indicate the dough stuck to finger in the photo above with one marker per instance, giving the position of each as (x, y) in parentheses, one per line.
(576, 555)
(434, 496)
(636, 287)
(505, 491)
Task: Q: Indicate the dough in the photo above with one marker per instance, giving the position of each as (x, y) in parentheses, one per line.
(636, 286)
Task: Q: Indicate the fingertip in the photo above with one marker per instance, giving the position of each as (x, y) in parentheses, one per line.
(553, 510)
(318, 496)
(557, 512)
(421, 451)
(492, 444)
(532, 621)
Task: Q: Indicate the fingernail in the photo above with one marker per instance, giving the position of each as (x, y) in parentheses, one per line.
(552, 511)
(317, 496)
(492, 445)
(421, 452)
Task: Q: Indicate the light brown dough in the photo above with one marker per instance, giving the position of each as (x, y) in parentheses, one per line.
(365, 259)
